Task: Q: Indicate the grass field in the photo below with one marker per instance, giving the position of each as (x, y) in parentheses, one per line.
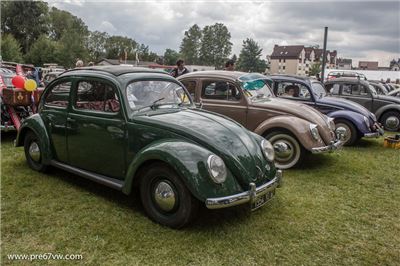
(338, 209)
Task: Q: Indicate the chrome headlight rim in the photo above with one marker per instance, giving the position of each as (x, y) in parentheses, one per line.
(314, 131)
(268, 150)
(216, 175)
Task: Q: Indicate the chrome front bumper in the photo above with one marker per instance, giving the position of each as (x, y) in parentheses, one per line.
(247, 196)
(335, 145)
(7, 128)
(376, 134)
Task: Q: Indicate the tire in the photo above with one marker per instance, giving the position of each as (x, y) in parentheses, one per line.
(176, 212)
(351, 136)
(391, 116)
(296, 150)
(33, 152)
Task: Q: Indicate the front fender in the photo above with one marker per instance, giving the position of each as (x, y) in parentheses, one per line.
(356, 118)
(189, 161)
(36, 124)
(386, 108)
(300, 128)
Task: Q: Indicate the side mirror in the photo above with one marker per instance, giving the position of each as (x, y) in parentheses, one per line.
(199, 105)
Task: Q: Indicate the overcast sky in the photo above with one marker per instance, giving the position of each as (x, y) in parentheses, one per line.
(366, 30)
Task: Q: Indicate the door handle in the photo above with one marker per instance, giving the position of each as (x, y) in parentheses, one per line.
(71, 120)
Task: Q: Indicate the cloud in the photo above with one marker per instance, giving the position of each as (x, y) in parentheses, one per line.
(359, 30)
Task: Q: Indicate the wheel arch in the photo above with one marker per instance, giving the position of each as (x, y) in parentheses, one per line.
(387, 108)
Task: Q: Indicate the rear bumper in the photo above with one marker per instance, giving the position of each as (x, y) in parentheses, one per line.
(247, 196)
(335, 145)
(379, 132)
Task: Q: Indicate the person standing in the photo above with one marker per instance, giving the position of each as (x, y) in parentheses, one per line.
(230, 65)
(180, 69)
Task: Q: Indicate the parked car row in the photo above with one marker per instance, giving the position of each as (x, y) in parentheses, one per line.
(212, 138)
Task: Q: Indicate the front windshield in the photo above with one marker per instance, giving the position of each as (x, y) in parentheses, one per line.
(318, 89)
(255, 86)
(156, 93)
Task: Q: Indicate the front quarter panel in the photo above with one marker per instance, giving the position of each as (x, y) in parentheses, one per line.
(35, 123)
(355, 118)
(189, 161)
(385, 108)
(298, 127)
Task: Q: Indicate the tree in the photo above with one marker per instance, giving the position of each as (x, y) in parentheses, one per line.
(72, 46)
(250, 57)
(116, 46)
(190, 45)
(97, 45)
(10, 49)
(315, 68)
(60, 21)
(171, 56)
(42, 51)
(145, 54)
(25, 20)
(215, 45)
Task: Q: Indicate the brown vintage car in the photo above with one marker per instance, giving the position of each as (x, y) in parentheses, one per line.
(292, 128)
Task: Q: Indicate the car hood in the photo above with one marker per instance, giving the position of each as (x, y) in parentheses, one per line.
(389, 99)
(300, 110)
(347, 105)
(233, 143)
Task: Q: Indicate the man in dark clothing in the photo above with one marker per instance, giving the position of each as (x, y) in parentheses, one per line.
(180, 69)
(230, 65)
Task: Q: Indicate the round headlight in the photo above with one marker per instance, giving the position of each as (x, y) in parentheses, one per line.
(216, 168)
(314, 131)
(268, 150)
(366, 120)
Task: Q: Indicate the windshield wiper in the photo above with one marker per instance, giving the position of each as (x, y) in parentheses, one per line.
(152, 106)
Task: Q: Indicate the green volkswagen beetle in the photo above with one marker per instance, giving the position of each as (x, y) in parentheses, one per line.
(125, 127)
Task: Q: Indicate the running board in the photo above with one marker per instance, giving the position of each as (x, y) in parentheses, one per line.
(101, 179)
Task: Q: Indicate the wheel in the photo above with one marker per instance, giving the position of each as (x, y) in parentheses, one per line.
(391, 121)
(165, 197)
(290, 157)
(351, 135)
(33, 152)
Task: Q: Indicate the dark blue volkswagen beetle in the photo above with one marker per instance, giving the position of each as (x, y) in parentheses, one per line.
(357, 120)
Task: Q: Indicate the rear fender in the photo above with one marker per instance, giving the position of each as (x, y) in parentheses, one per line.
(386, 108)
(356, 119)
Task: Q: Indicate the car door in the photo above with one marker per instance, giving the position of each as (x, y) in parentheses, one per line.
(358, 93)
(54, 110)
(96, 128)
(224, 97)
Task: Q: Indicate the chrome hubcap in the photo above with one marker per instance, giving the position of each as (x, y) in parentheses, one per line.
(392, 122)
(34, 151)
(343, 132)
(283, 150)
(164, 196)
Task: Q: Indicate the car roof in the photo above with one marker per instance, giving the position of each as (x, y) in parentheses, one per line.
(112, 70)
(216, 74)
(344, 79)
(292, 78)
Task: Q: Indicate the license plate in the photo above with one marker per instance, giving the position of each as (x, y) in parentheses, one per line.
(260, 201)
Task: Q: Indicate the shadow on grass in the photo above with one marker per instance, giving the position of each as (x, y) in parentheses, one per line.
(7, 137)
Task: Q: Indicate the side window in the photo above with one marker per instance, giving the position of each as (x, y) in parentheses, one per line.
(220, 90)
(346, 89)
(364, 91)
(191, 87)
(333, 88)
(291, 89)
(58, 96)
(96, 96)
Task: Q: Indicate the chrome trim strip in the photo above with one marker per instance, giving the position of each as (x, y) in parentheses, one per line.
(7, 128)
(247, 196)
(329, 148)
(104, 180)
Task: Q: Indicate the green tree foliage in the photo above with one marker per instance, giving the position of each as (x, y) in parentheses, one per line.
(10, 49)
(71, 47)
(116, 46)
(315, 69)
(60, 21)
(171, 56)
(44, 50)
(145, 54)
(250, 57)
(215, 45)
(190, 45)
(97, 45)
(25, 20)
